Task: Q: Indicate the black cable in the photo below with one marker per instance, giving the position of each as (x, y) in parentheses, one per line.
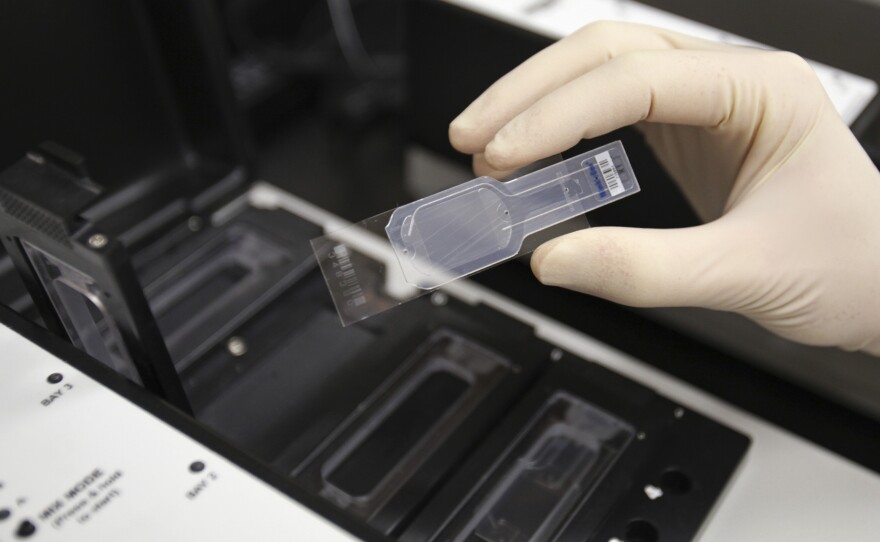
(350, 42)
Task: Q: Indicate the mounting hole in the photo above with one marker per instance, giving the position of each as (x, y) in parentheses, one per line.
(675, 482)
(639, 530)
(196, 466)
(54, 378)
(26, 529)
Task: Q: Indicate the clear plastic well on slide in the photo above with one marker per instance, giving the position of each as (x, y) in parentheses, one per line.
(409, 251)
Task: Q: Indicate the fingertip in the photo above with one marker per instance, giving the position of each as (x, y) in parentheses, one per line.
(482, 168)
(544, 263)
(536, 263)
(465, 134)
(501, 156)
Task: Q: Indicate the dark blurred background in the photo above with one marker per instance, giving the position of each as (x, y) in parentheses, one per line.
(322, 87)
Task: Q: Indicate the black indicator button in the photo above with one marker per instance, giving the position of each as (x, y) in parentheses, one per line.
(4, 513)
(55, 378)
(196, 466)
(25, 529)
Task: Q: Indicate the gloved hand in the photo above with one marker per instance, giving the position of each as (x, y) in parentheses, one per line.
(790, 200)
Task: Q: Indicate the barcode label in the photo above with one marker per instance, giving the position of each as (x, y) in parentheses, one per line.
(609, 173)
(346, 279)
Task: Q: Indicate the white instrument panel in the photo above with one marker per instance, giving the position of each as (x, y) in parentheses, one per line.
(80, 463)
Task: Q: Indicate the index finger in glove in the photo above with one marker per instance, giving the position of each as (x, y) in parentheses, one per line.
(695, 88)
(553, 67)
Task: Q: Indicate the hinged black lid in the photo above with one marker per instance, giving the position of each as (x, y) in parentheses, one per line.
(139, 88)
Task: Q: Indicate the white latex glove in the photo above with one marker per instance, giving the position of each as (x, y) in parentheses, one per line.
(791, 201)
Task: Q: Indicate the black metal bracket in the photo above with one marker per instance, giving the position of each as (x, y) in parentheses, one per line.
(80, 277)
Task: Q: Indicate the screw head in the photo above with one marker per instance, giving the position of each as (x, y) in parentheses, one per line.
(555, 354)
(653, 492)
(98, 240)
(36, 157)
(236, 346)
(439, 298)
(195, 223)
(678, 412)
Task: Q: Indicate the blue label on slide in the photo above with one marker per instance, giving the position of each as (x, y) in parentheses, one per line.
(597, 179)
